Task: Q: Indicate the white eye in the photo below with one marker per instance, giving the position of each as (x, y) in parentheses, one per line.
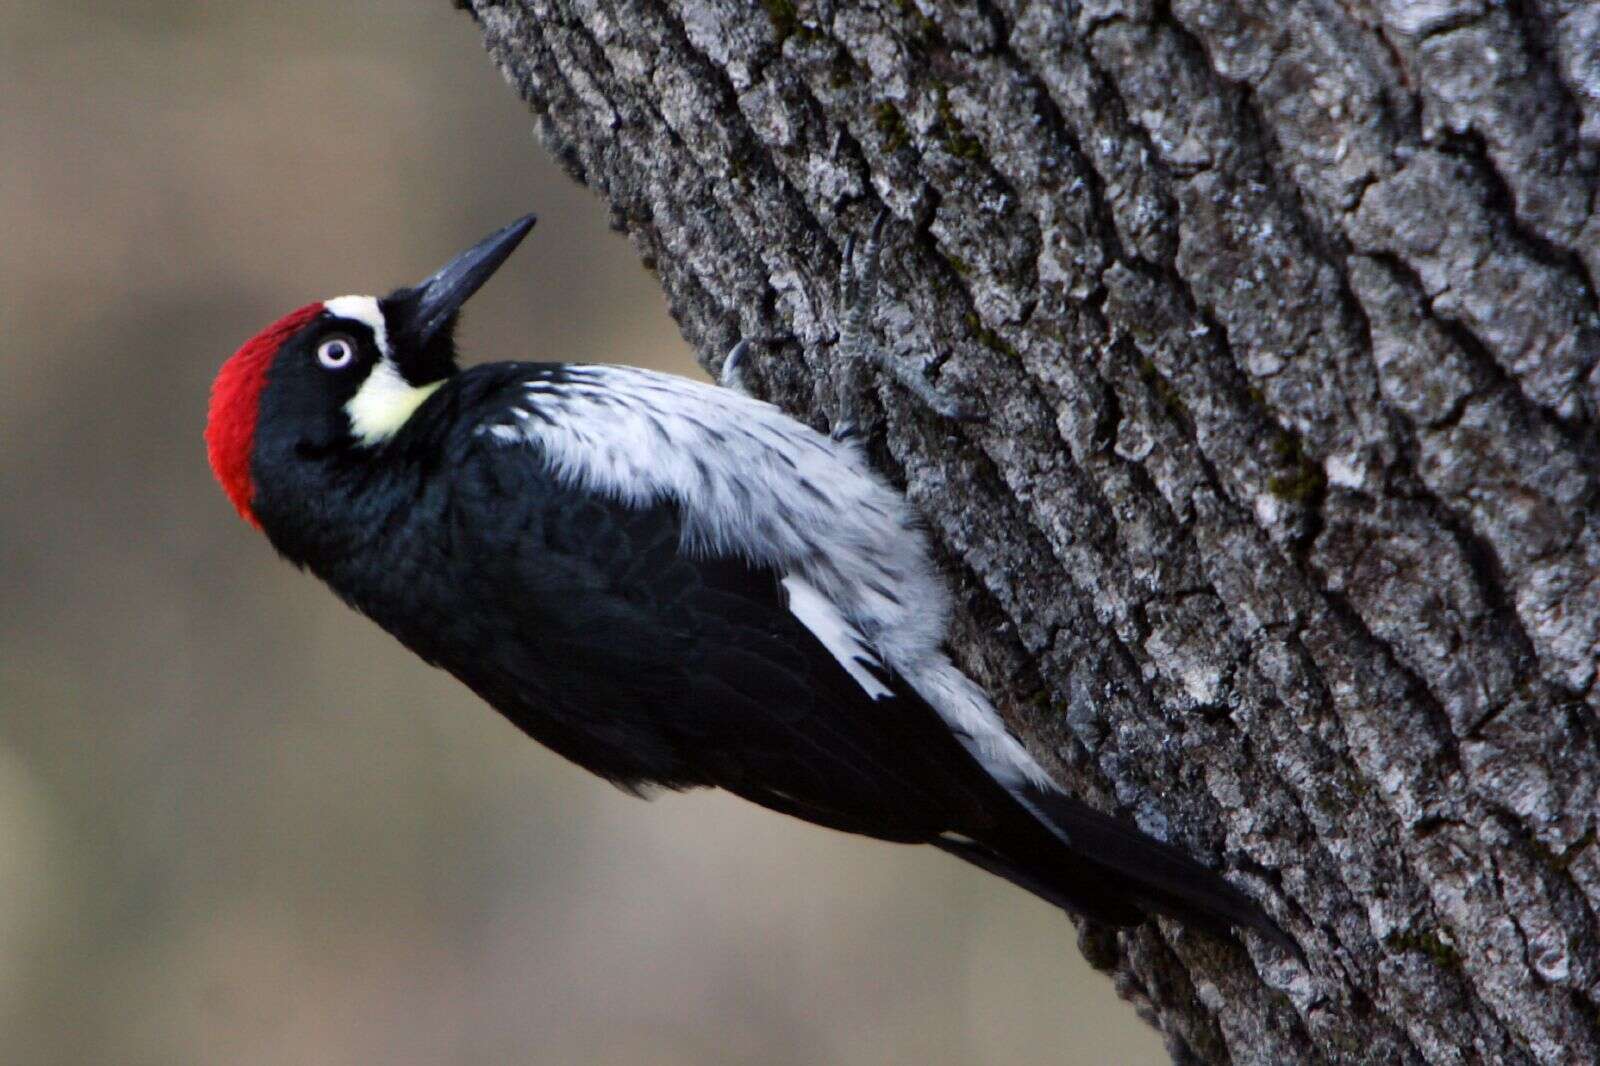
(336, 353)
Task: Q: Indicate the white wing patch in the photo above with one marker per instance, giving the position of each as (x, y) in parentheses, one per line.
(752, 482)
(841, 639)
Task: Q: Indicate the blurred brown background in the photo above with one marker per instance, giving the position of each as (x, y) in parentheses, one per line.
(237, 823)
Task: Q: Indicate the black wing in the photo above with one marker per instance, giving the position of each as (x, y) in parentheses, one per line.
(594, 631)
(647, 664)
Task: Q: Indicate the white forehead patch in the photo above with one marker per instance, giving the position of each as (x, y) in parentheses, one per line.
(363, 309)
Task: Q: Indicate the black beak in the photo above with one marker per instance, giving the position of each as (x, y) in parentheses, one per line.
(426, 308)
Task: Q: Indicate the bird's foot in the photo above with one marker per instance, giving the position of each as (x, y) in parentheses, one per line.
(858, 295)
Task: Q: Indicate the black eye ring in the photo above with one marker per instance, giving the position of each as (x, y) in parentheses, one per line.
(337, 352)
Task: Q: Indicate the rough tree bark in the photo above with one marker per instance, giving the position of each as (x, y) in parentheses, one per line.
(1283, 536)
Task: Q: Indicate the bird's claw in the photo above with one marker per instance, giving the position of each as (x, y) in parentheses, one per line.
(854, 345)
(858, 295)
(732, 374)
(736, 364)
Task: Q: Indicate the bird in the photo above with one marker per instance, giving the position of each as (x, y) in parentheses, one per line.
(668, 582)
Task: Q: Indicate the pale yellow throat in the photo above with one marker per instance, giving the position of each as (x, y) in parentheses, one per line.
(384, 402)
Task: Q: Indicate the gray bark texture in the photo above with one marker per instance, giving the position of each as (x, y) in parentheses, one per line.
(1283, 535)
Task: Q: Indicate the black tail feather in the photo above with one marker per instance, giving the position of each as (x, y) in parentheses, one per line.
(1112, 871)
(1084, 895)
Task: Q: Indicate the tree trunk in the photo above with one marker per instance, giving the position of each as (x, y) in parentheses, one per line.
(1283, 534)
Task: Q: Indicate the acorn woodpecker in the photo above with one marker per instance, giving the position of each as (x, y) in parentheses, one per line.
(670, 583)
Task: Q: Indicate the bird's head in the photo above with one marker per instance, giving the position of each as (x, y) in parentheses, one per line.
(341, 375)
